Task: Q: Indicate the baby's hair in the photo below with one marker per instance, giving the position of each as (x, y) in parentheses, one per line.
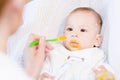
(87, 9)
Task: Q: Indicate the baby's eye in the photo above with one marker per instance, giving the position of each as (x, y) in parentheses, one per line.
(69, 29)
(83, 30)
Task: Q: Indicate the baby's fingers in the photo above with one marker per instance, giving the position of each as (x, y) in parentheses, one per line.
(99, 69)
(46, 76)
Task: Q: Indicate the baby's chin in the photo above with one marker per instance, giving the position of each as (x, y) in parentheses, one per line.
(74, 48)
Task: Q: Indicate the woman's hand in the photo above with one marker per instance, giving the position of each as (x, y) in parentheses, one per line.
(34, 57)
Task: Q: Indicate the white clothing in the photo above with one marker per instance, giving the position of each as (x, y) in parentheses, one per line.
(73, 65)
(9, 70)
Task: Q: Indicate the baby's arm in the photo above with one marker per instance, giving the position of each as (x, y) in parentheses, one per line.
(103, 74)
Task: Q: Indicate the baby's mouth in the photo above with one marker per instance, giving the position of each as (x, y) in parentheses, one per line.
(75, 44)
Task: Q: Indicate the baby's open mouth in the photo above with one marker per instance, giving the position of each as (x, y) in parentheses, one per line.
(74, 44)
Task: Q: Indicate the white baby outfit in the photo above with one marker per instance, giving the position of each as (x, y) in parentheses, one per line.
(73, 65)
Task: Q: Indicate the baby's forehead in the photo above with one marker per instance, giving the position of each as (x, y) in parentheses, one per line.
(88, 13)
(84, 14)
(82, 17)
(91, 18)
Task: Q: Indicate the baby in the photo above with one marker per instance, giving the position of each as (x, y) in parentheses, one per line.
(80, 56)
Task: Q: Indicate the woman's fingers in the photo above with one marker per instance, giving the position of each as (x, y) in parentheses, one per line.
(48, 48)
(42, 46)
(31, 39)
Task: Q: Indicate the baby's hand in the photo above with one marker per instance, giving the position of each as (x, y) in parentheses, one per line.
(46, 76)
(103, 74)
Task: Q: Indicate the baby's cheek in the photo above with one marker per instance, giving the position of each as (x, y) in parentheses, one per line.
(65, 43)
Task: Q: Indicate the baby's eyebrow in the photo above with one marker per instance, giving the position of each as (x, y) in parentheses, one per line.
(70, 25)
(83, 26)
(67, 25)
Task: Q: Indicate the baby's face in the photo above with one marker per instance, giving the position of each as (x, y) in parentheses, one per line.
(82, 31)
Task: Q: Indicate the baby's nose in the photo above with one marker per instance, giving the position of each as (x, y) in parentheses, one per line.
(74, 35)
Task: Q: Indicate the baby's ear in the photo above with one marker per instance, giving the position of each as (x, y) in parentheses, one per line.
(98, 40)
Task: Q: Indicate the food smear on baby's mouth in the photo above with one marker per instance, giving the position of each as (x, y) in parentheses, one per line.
(75, 44)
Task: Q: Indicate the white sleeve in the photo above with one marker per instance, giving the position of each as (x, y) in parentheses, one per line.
(9, 70)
